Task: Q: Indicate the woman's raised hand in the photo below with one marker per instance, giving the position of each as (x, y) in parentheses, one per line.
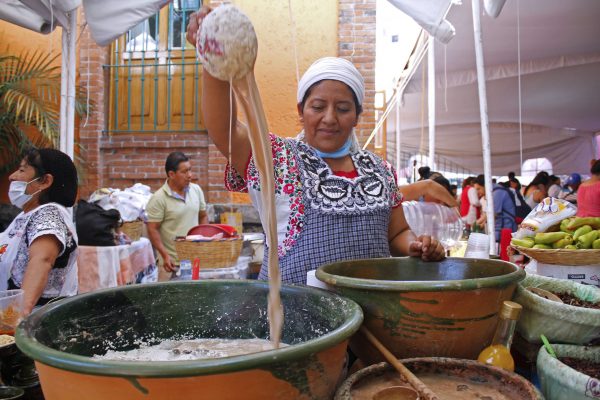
(427, 248)
(195, 23)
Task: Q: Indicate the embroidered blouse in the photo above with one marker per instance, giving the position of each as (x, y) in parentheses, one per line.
(302, 180)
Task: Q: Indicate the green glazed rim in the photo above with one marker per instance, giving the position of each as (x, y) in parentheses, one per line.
(171, 369)
(418, 286)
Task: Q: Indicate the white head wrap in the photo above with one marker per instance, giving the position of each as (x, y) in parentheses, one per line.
(334, 68)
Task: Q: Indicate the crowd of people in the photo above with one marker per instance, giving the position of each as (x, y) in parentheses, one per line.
(512, 202)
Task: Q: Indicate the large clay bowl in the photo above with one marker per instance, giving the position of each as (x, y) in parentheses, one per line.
(62, 337)
(425, 309)
(466, 379)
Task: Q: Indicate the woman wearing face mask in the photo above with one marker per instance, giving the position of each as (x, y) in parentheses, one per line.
(38, 249)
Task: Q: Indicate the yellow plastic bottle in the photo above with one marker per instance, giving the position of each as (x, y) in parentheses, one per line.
(498, 353)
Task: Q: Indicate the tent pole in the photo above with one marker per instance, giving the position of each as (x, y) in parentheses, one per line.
(71, 84)
(398, 137)
(485, 125)
(63, 93)
(431, 99)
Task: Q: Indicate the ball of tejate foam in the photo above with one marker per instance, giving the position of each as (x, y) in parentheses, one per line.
(226, 43)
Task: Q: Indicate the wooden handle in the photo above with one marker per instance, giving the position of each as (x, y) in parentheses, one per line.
(424, 392)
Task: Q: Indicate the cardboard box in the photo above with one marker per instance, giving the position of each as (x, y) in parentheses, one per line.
(586, 274)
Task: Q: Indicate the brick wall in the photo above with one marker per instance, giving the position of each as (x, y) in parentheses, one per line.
(131, 158)
(356, 34)
(121, 160)
(91, 59)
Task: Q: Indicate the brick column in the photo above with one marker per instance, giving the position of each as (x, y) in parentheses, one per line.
(216, 174)
(357, 34)
(91, 78)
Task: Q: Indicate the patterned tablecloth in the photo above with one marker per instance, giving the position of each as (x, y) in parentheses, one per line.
(104, 267)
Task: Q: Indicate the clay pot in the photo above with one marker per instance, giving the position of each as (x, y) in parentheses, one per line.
(63, 336)
(418, 309)
(469, 373)
(11, 393)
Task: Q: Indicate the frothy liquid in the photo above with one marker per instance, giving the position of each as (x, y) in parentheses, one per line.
(446, 387)
(249, 98)
(228, 28)
(196, 349)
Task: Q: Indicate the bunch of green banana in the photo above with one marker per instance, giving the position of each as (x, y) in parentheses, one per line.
(525, 242)
(573, 223)
(588, 240)
(553, 240)
(586, 232)
(572, 234)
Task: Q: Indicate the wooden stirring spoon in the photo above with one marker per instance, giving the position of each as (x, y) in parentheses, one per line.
(424, 391)
(544, 293)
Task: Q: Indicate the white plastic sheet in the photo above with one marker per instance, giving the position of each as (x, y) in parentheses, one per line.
(430, 15)
(109, 19)
(130, 202)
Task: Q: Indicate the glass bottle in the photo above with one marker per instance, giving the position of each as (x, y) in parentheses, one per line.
(498, 353)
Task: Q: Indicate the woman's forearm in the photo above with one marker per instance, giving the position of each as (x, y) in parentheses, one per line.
(42, 255)
(440, 193)
(220, 119)
(34, 282)
(400, 244)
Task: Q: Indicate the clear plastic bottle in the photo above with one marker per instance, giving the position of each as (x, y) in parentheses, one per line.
(441, 222)
(185, 270)
(498, 353)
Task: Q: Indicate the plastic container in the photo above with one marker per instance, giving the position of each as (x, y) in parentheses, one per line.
(11, 310)
(478, 246)
(437, 220)
(238, 271)
(185, 270)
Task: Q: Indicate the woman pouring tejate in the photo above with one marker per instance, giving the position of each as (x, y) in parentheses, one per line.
(38, 250)
(334, 201)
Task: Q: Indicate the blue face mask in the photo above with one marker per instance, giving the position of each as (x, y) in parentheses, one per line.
(339, 153)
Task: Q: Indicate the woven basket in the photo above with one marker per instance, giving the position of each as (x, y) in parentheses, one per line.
(212, 254)
(133, 229)
(562, 256)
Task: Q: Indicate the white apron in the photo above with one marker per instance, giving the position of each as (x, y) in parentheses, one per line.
(9, 247)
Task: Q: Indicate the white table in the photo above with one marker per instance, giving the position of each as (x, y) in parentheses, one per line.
(111, 266)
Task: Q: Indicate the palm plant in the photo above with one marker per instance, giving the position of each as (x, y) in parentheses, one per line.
(29, 97)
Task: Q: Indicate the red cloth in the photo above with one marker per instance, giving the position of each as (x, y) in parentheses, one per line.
(349, 175)
(464, 201)
(505, 236)
(588, 200)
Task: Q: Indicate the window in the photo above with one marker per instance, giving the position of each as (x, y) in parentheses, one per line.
(532, 166)
(155, 77)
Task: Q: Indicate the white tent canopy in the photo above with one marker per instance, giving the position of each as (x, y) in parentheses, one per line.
(560, 88)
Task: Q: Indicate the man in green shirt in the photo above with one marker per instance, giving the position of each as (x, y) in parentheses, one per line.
(172, 210)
